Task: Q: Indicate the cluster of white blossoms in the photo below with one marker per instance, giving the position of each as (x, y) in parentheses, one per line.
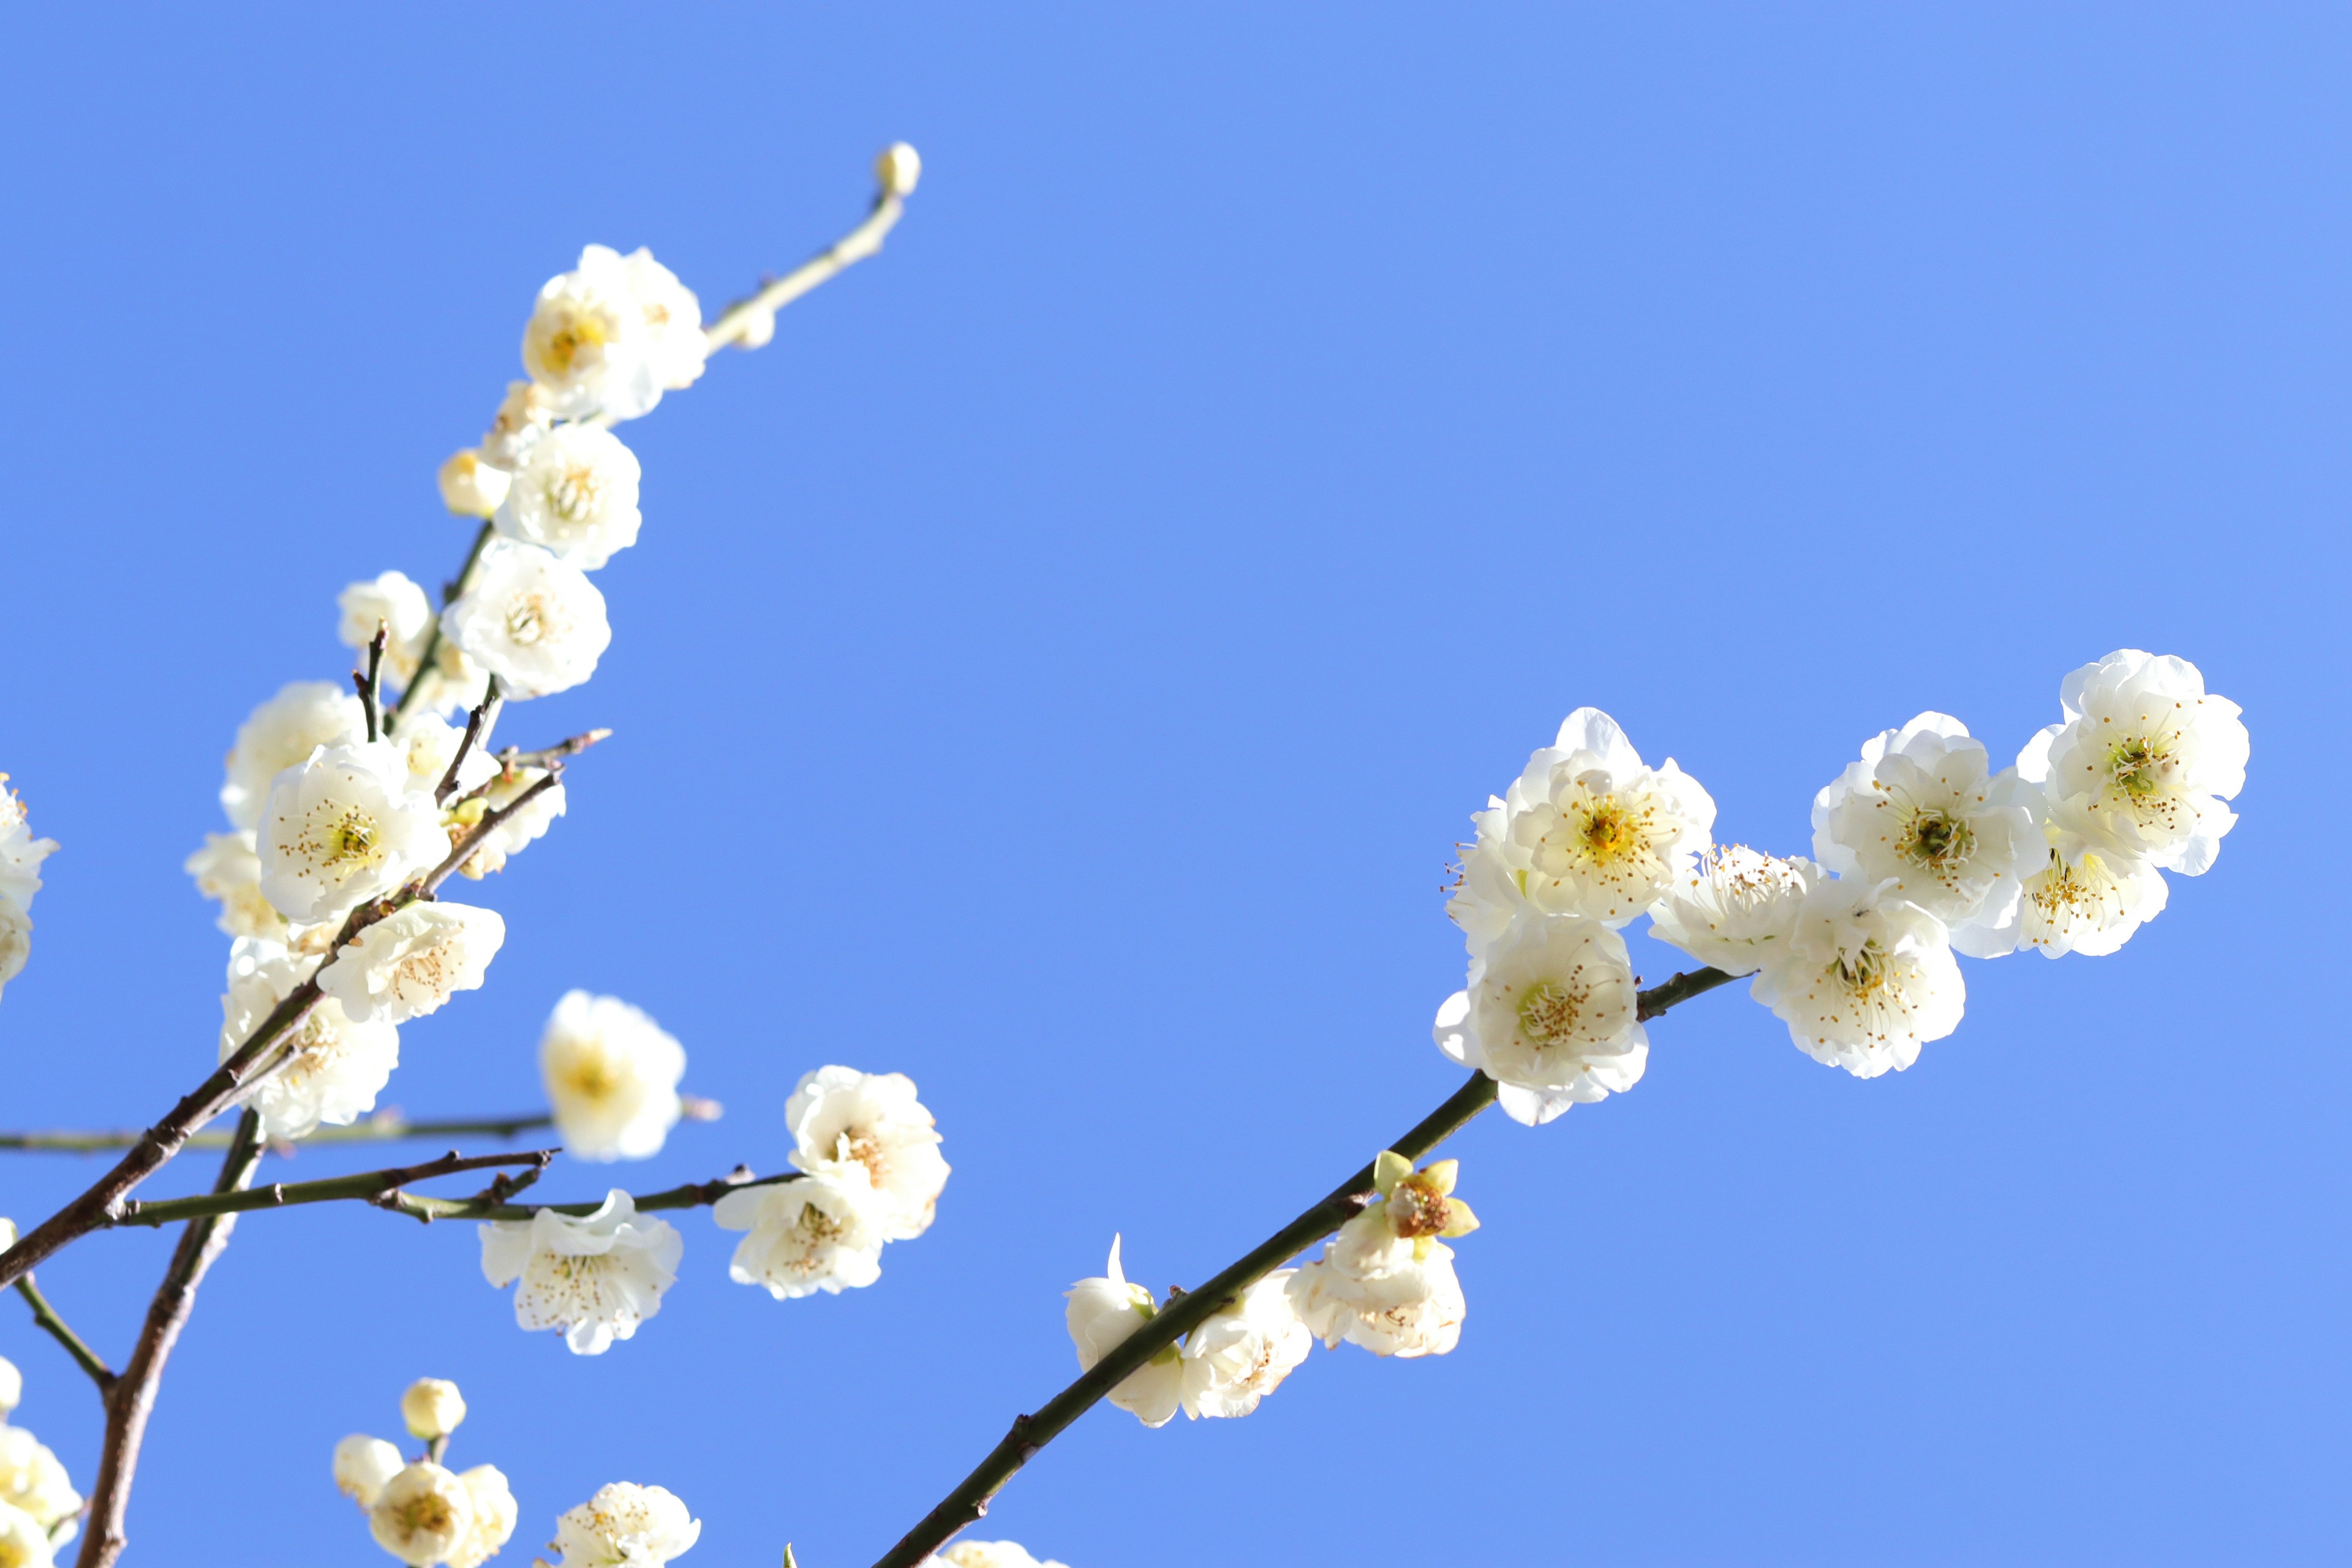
(21, 855)
(866, 1148)
(424, 1514)
(1385, 1283)
(1920, 850)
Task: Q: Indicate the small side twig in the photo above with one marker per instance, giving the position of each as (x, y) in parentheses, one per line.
(370, 682)
(477, 732)
(688, 1196)
(510, 759)
(368, 1185)
(463, 850)
(88, 1360)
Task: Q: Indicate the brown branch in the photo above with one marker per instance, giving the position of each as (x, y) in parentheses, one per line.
(131, 1399)
(478, 730)
(381, 1127)
(491, 1206)
(370, 684)
(369, 1186)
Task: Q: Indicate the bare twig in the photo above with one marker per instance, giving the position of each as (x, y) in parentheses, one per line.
(371, 683)
(58, 1329)
(510, 759)
(367, 1184)
(691, 1194)
(132, 1398)
(428, 657)
(465, 848)
(379, 1129)
(477, 732)
(1187, 1311)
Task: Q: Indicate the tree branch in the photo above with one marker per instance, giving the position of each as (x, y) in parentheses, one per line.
(689, 1195)
(1030, 1433)
(477, 733)
(376, 1130)
(740, 319)
(367, 1184)
(427, 664)
(131, 1399)
(58, 1329)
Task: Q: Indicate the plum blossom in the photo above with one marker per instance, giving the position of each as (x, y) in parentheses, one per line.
(409, 963)
(494, 1514)
(2143, 762)
(1923, 809)
(282, 733)
(595, 1278)
(2083, 901)
(1242, 1351)
(575, 496)
(610, 336)
(471, 485)
(810, 1233)
(21, 855)
(625, 1526)
(868, 1129)
(1587, 829)
(365, 1465)
(431, 743)
(453, 683)
(23, 1542)
(400, 607)
(1551, 1014)
(344, 827)
(336, 1066)
(12, 1382)
(523, 416)
(422, 1515)
(676, 347)
(32, 1480)
(993, 1555)
(432, 1408)
(229, 869)
(611, 1078)
(1867, 979)
(16, 940)
(1104, 1311)
(1734, 908)
(525, 825)
(529, 619)
(1385, 1281)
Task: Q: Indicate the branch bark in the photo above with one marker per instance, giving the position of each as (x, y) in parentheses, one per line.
(969, 1501)
(131, 1399)
(367, 1184)
(377, 1129)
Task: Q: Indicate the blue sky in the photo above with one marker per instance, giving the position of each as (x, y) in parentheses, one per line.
(1059, 667)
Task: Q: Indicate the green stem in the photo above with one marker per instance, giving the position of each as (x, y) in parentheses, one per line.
(58, 1329)
(450, 590)
(385, 1130)
(1032, 1432)
(690, 1196)
(369, 1184)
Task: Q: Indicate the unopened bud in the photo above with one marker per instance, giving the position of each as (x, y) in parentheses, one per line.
(432, 1407)
(897, 169)
(470, 487)
(362, 1467)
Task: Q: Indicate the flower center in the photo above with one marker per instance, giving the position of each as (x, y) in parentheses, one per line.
(528, 620)
(578, 332)
(354, 838)
(575, 495)
(1866, 976)
(427, 1514)
(1417, 1209)
(1547, 1012)
(1936, 840)
(2138, 766)
(1611, 833)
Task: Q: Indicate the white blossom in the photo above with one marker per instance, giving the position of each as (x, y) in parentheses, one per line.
(12, 1382)
(16, 940)
(409, 963)
(595, 1278)
(21, 854)
(611, 1078)
(453, 684)
(401, 609)
(898, 168)
(625, 1526)
(2143, 762)
(1551, 1014)
(575, 496)
(432, 1407)
(868, 1128)
(993, 1555)
(23, 1542)
(337, 1065)
(675, 345)
(1242, 1352)
(523, 416)
(525, 825)
(431, 743)
(2086, 902)
(1924, 810)
(1385, 1281)
(812, 1233)
(471, 485)
(32, 1479)
(1103, 1311)
(344, 827)
(1587, 829)
(529, 619)
(1868, 978)
(282, 733)
(422, 1515)
(1734, 908)
(589, 344)
(229, 869)
(494, 1514)
(365, 1465)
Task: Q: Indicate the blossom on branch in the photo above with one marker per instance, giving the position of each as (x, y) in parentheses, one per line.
(400, 607)
(1385, 1281)
(523, 416)
(335, 1065)
(1587, 829)
(21, 855)
(993, 1555)
(868, 1129)
(422, 1515)
(612, 1077)
(813, 1234)
(2144, 759)
(1242, 1351)
(612, 335)
(12, 1382)
(1734, 908)
(625, 1526)
(494, 1515)
(1103, 1311)
(432, 1407)
(409, 963)
(431, 743)
(575, 496)
(1868, 978)
(365, 1465)
(23, 1542)
(1551, 1014)
(472, 486)
(525, 824)
(33, 1481)
(529, 619)
(596, 1277)
(282, 733)
(229, 869)
(344, 826)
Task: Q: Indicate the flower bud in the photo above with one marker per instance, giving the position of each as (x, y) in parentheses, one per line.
(422, 1515)
(364, 1466)
(432, 1407)
(470, 487)
(897, 169)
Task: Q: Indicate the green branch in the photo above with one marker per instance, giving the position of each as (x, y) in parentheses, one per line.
(378, 1129)
(1032, 1432)
(371, 1185)
(58, 1329)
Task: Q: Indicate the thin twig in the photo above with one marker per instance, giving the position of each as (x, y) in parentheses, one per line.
(865, 240)
(131, 1399)
(477, 732)
(376, 1130)
(428, 657)
(1186, 1312)
(58, 1329)
(367, 1184)
(463, 849)
(690, 1196)
(512, 759)
(371, 683)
